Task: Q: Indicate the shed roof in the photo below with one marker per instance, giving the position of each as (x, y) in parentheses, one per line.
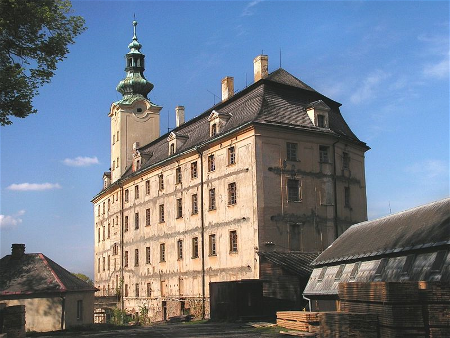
(297, 263)
(418, 228)
(35, 273)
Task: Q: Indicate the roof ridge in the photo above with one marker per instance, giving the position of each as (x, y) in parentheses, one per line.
(44, 259)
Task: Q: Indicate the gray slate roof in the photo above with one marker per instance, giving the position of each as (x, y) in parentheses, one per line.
(278, 100)
(35, 273)
(297, 263)
(418, 228)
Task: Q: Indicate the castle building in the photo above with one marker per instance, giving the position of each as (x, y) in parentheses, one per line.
(270, 170)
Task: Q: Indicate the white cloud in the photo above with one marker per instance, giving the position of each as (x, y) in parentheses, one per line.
(436, 46)
(11, 221)
(438, 70)
(34, 186)
(248, 10)
(81, 161)
(369, 87)
(429, 169)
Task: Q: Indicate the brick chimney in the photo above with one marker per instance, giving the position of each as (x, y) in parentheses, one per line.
(179, 115)
(227, 87)
(261, 67)
(17, 251)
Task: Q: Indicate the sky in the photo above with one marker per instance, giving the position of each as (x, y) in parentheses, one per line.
(387, 63)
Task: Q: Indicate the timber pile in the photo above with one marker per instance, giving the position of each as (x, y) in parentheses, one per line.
(351, 325)
(435, 300)
(298, 320)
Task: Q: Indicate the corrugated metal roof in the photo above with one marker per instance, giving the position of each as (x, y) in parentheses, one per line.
(35, 273)
(420, 227)
(297, 263)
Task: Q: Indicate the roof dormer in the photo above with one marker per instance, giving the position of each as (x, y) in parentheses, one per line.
(175, 142)
(217, 122)
(318, 113)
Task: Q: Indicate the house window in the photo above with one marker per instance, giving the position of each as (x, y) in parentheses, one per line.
(231, 155)
(438, 262)
(291, 151)
(117, 138)
(212, 245)
(114, 138)
(322, 274)
(381, 267)
(149, 289)
(103, 233)
(194, 204)
(136, 221)
(126, 224)
(232, 193)
(79, 310)
(345, 161)
(195, 247)
(179, 208)
(408, 264)
(172, 149)
(161, 213)
(109, 229)
(109, 204)
(125, 258)
(136, 257)
(180, 249)
(355, 270)
(98, 210)
(137, 289)
(147, 255)
(109, 262)
(233, 241)
(213, 129)
(194, 172)
(104, 264)
(98, 265)
(323, 154)
(136, 192)
(162, 252)
(126, 290)
(347, 197)
(321, 121)
(212, 199)
(339, 272)
(115, 249)
(126, 195)
(147, 187)
(147, 217)
(178, 175)
(161, 182)
(293, 190)
(103, 207)
(211, 163)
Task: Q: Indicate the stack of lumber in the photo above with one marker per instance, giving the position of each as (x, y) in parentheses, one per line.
(298, 320)
(435, 300)
(392, 292)
(351, 325)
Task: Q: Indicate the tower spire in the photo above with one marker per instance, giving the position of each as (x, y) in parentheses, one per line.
(134, 85)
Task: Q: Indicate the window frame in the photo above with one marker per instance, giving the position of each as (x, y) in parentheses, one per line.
(323, 154)
(292, 151)
(231, 155)
(162, 252)
(147, 217)
(212, 247)
(211, 163)
(232, 193)
(178, 176)
(291, 188)
(194, 200)
(180, 249)
(212, 199)
(148, 255)
(179, 207)
(161, 213)
(233, 241)
(194, 170)
(194, 247)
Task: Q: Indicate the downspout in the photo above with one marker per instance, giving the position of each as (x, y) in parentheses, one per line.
(63, 311)
(336, 231)
(121, 250)
(309, 302)
(202, 220)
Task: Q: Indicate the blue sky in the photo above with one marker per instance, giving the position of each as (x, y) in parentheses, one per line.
(386, 62)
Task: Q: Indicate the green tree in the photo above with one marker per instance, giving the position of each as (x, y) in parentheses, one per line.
(84, 278)
(34, 37)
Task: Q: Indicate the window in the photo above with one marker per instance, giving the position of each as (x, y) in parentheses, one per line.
(321, 121)
(347, 197)
(355, 270)
(104, 264)
(180, 249)
(339, 272)
(109, 262)
(147, 217)
(117, 163)
(323, 154)
(381, 267)
(149, 289)
(79, 310)
(232, 193)
(117, 138)
(147, 255)
(161, 182)
(438, 261)
(136, 221)
(98, 265)
(194, 172)
(161, 213)
(172, 149)
(115, 249)
(233, 241)
(98, 210)
(126, 290)
(126, 224)
(211, 163)
(147, 187)
(322, 274)
(136, 192)
(136, 257)
(231, 155)
(103, 233)
(103, 207)
(98, 235)
(125, 258)
(291, 151)
(212, 199)
(212, 245)
(194, 204)
(345, 161)
(179, 208)
(109, 230)
(126, 195)
(195, 247)
(408, 264)
(293, 190)
(109, 204)
(162, 252)
(213, 129)
(137, 290)
(178, 178)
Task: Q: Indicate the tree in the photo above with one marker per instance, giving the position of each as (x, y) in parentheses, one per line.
(34, 37)
(83, 277)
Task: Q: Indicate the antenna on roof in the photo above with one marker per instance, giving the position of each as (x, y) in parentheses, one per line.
(213, 95)
(245, 80)
(280, 57)
(168, 115)
(390, 211)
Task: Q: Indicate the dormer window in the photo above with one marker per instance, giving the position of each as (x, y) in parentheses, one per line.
(176, 141)
(321, 121)
(217, 122)
(213, 130)
(172, 149)
(318, 113)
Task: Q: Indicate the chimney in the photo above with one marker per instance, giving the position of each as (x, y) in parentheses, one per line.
(17, 251)
(179, 115)
(227, 87)
(261, 67)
